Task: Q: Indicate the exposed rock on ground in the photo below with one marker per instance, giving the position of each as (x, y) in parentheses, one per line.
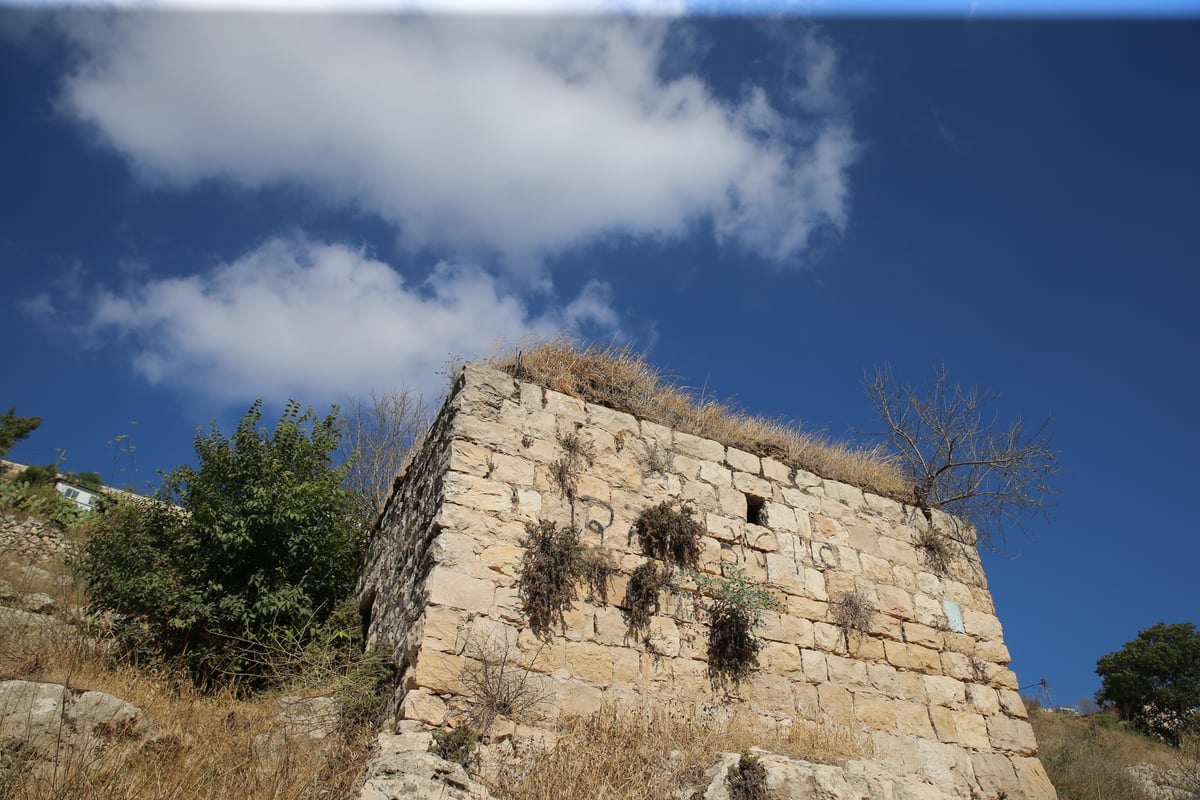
(402, 767)
(42, 718)
(792, 779)
(1159, 783)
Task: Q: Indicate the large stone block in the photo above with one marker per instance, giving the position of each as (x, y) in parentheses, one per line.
(972, 729)
(996, 776)
(781, 659)
(913, 719)
(847, 671)
(614, 422)
(1011, 703)
(875, 712)
(816, 667)
(576, 699)
(423, 705)
(923, 635)
(844, 493)
(469, 457)
(752, 485)
(895, 602)
(440, 673)
(837, 704)
(741, 461)
(588, 661)
(1011, 735)
(804, 695)
(945, 691)
(511, 470)
(777, 471)
(449, 587)
(982, 699)
(982, 625)
(875, 568)
(482, 494)
(1032, 778)
(442, 626)
(697, 447)
(503, 558)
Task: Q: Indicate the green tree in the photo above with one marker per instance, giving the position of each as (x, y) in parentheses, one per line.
(1154, 680)
(13, 429)
(254, 546)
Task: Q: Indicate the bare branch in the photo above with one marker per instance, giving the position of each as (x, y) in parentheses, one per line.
(379, 433)
(959, 455)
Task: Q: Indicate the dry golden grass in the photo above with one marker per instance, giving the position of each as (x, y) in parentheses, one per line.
(203, 748)
(621, 379)
(1087, 757)
(622, 755)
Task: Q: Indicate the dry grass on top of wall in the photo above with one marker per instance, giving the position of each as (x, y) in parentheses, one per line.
(621, 379)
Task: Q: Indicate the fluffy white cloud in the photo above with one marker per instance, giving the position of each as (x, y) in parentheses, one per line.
(311, 320)
(518, 136)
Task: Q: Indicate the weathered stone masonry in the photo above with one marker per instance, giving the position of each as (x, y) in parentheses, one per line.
(929, 684)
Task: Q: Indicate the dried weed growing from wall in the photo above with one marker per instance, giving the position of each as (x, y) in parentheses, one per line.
(670, 534)
(621, 379)
(550, 570)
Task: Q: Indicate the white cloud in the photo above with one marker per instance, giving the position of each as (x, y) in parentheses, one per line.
(522, 137)
(296, 318)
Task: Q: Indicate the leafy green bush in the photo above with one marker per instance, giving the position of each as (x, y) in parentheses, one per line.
(40, 501)
(87, 480)
(39, 475)
(251, 547)
(1154, 680)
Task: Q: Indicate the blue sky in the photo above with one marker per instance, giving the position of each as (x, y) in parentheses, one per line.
(198, 209)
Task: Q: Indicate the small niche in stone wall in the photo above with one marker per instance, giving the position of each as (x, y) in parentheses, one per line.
(954, 617)
(756, 510)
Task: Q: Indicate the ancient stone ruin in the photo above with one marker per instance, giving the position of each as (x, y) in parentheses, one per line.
(872, 629)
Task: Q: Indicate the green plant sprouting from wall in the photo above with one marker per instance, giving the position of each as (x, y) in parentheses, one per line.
(735, 606)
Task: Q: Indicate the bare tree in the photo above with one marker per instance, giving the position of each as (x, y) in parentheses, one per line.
(960, 456)
(379, 433)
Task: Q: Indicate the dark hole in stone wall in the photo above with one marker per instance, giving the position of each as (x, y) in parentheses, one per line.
(756, 511)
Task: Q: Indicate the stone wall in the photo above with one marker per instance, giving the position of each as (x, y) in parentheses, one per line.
(30, 540)
(927, 683)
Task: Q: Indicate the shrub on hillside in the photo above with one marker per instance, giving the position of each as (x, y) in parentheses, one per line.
(40, 501)
(252, 544)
